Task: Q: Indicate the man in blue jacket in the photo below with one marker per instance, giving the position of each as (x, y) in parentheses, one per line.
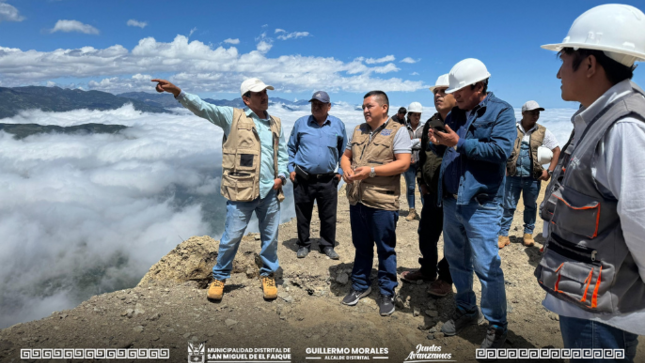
(477, 141)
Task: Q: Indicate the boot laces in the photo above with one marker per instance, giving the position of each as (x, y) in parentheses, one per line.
(268, 281)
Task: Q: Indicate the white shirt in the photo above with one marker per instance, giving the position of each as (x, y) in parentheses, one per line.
(549, 141)
(619, 168)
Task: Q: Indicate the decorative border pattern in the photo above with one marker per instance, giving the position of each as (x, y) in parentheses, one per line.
(95, 353)
(550, 353)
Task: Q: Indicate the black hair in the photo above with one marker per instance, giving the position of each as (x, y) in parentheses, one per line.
(380, 96)
(247, 94)
(484, 83)
(615, 71)
(402, 110)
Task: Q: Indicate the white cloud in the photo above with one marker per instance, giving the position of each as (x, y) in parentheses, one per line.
(140, 24)
(9, 13)
(264, 47)
(232, 41)
(295, 35)
(73, 26)
(195, 65)
(387, 58)
(414, 74)
(409, 60)
(192, 31)
(390, 67)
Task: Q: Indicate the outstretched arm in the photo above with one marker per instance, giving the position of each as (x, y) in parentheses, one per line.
(221, 116)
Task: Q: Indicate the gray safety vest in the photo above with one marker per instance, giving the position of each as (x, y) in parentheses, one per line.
(586, 261)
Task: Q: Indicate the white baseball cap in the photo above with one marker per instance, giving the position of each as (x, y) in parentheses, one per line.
(254, 85)
(530, 106)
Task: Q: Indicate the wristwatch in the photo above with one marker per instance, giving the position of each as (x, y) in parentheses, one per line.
(550, 172)
(372, 173)
(284, 180)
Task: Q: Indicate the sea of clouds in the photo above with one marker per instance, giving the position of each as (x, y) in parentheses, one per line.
(90, 213)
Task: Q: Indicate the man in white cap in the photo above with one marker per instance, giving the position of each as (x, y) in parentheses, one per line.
(593, 266)
(477, 141)
(254, 169)
(431, 223)
(524, 173)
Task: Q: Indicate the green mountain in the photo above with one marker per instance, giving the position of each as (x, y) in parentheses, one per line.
(20, 131)
(167, 100)
(14, 100)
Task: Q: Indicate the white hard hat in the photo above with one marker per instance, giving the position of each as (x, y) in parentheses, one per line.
(253, 85)
(468, 71)
(442, 81)
(616, 29)
(544, 155)
(530, 106)
(415, 107)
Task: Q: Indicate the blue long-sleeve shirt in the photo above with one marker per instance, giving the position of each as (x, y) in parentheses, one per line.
(222, 116)
(477, 165)
(317, 149)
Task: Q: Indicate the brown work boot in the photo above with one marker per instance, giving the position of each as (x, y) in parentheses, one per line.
(412, 215)
(528, 240)
(503, 241)
(414, 276)
(216, 290)
(439, 288)
(269, 287)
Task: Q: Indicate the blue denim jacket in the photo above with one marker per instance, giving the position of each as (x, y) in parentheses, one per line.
(483, 151)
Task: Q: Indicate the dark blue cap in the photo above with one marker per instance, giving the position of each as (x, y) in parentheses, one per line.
(321, 96)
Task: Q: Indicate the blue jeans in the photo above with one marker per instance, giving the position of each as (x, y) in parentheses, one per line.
(370, 226)
(238, 215)
(410, 177)
(582, 333)
(530, 189)
(470, 244)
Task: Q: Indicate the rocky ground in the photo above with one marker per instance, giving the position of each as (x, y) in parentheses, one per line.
(169, 309)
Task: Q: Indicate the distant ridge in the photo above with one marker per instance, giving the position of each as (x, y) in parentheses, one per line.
(166, 100)
(14, 100)
(20, 131)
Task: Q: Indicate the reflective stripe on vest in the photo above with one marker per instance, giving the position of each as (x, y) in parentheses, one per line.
(586, 261)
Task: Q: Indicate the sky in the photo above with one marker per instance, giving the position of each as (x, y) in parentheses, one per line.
(344, 47)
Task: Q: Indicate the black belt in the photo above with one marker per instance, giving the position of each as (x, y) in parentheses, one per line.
(321, 176)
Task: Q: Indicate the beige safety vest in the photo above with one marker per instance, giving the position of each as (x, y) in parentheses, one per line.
(380, 192)
(536, 139)
(241, 152)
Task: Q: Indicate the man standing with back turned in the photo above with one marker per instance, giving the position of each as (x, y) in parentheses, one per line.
(477, 141)
(377, 153)
(593, 266)
(316, 145)
(254, 167)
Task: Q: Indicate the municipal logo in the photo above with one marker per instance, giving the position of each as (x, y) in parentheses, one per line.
(196, 353)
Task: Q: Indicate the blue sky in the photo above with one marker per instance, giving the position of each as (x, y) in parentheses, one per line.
(345, 47)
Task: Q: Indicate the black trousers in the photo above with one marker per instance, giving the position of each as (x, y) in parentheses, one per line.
(325, 192)
(430, 228)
